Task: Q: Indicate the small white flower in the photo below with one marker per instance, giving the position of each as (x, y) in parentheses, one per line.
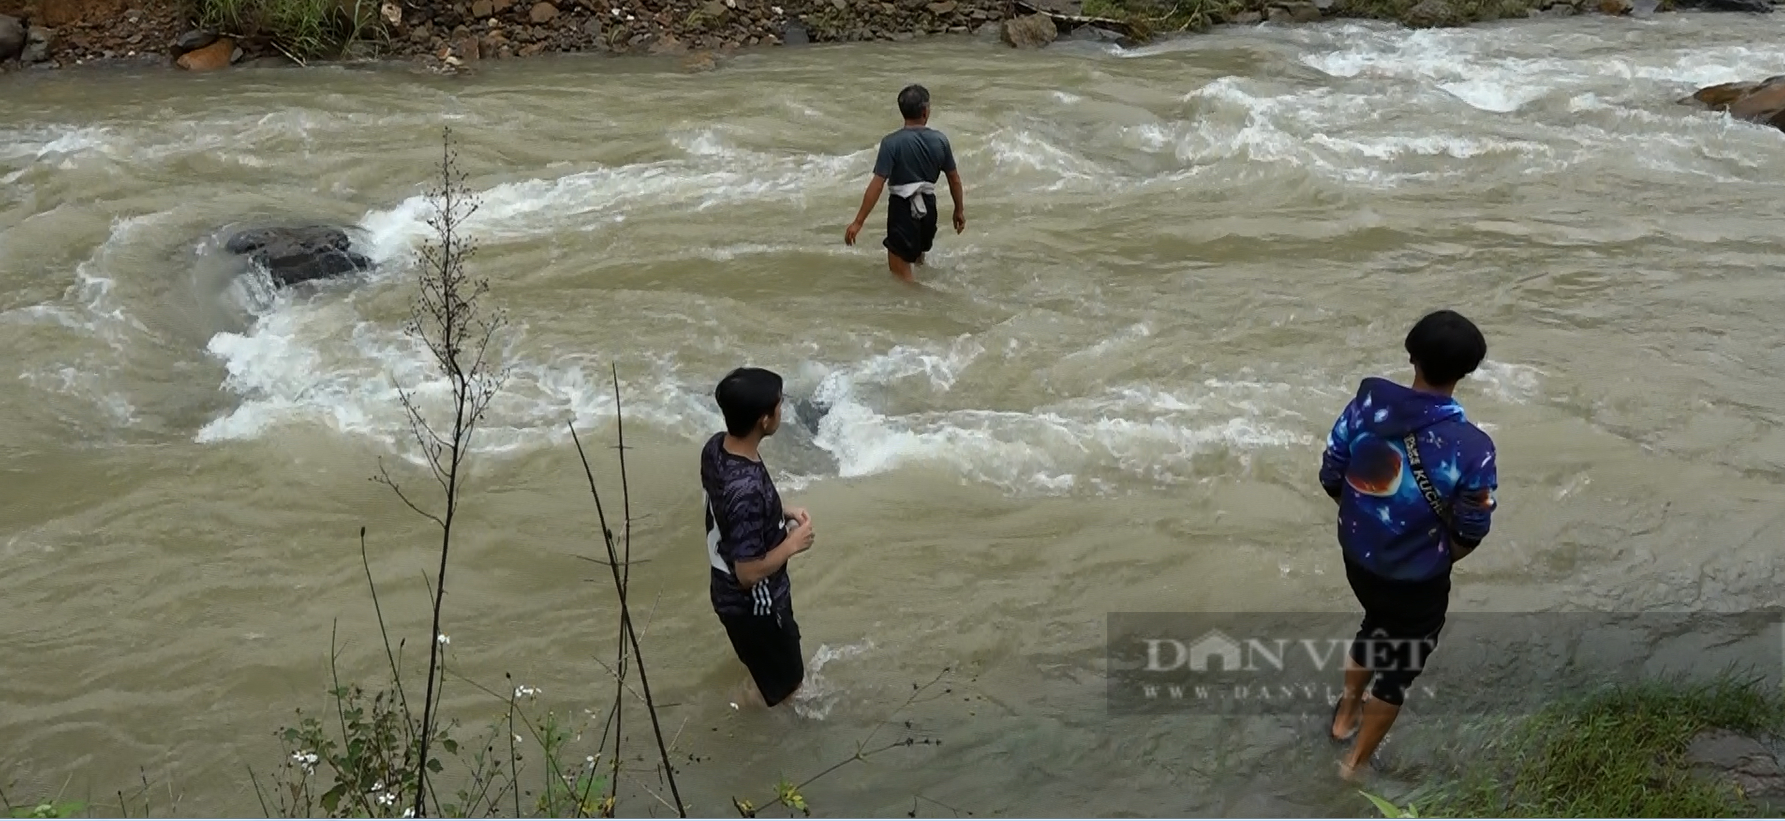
(590, 760)
(517, 739)
(409, 813)
(443, 639)
(378, 786)
(306, 760)
(524, 691)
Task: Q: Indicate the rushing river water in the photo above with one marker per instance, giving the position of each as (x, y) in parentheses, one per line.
(1111, 397)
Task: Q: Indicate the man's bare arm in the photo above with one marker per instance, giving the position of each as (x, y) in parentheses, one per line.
(870, 198)
(955, 190)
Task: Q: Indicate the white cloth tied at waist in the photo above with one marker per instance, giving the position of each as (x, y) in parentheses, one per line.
(911, 190)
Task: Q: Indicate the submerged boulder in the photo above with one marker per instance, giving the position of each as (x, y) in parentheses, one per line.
(1762, 102)
(293, 255)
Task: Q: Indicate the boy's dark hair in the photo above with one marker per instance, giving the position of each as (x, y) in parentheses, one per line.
(914, 100)
(745, 396)
(1446, 346)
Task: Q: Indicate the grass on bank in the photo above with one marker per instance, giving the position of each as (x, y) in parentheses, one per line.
(1615, 753)
(302, 29)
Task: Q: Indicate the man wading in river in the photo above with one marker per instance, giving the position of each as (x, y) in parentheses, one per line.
(911, 159)
(1415, 484)
(748, 536)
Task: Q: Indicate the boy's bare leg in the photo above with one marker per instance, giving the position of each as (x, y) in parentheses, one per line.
(751, 696)
(900, 268)
(1378, 717)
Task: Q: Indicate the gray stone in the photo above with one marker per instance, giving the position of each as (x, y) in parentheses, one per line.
(1093, 34)
(194, 40)
(293, 255)
(236, 56)
(592, 28)
(989, 31)
(1248, 18)
(12, 38)
(1738, 759)
(1297, 12)
(1751, 6)
(795, 34)
(37, 45)
(1644, 8)
(1032, 31)
(1431, 14)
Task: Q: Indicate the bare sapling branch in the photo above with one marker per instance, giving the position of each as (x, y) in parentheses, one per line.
(618, 563)
(461, 335)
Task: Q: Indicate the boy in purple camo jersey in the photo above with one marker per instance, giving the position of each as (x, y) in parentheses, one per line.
(750, 536)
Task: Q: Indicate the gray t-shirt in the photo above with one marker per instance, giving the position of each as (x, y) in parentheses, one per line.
(914, 155)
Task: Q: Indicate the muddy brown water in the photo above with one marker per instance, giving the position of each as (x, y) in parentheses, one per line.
(1110, 397)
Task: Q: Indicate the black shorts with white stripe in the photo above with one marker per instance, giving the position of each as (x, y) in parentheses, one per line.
(770, 647)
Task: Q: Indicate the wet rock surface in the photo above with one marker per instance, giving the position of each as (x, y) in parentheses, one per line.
(299, 254)
(1756, 102)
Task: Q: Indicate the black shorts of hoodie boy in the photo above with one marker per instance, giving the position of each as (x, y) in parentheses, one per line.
(770, 647)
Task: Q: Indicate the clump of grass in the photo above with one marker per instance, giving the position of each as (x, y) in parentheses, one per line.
(1616, 753)
(302, 29)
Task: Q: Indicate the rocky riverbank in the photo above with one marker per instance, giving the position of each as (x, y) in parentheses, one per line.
(453, 34)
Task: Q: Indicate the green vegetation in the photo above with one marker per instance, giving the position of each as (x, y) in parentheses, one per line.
(1616, 753)
(1445, 13)
(1151, 18)
(302, 29)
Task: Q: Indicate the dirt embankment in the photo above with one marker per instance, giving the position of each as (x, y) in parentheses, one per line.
(451, 34)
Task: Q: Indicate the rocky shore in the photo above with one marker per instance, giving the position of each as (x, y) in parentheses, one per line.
(453, 34)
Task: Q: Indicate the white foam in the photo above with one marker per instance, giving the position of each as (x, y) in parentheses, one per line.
(1137, 431)
(817, 695)
(599, 197)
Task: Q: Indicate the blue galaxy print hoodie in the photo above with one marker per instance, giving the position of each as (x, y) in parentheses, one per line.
(1385, 524)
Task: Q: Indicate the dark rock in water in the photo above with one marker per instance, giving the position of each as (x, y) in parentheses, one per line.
(1296, 12)
(1752, 6)
(1644, 8)
(193, 41)
(12, 38)
(293, 255)
(795, 34)
(1093, 34)
(809, 412)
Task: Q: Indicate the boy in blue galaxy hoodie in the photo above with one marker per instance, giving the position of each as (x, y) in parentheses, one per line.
(1399, 538)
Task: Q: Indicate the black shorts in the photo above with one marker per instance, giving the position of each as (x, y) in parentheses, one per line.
(1399, 630)
(908, 236)
(770, 647)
